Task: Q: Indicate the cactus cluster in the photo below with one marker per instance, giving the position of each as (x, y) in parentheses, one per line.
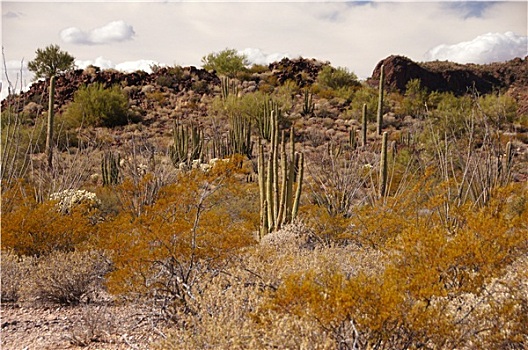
(264, 119)
(308, 105)
(240, 136)
(228, 87)
(187, 144)
(277, 208)
(110, 168)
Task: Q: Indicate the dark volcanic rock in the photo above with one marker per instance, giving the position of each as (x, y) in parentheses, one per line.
(451, 77)
(301, 70)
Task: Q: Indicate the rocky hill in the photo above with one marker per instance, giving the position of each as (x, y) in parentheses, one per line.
(510, 76)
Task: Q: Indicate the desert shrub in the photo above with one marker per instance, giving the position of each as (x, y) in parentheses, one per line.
(498, 109)
(226, 62)
(430, 269)
(95, 105)
(452, 115)
(414, 102)
(192, 226)
(14, 273)
(365, 95)
(258, 69)
(36, 229)
(336, 78)
(66, 277)
(170, 77)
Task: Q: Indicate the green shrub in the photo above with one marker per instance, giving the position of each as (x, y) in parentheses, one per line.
(414, 100)
(337, 78)
(227, 62)
(95, 105)
(365, 95)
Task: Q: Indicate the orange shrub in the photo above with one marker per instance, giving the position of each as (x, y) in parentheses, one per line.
(35, 229)
(193, 225)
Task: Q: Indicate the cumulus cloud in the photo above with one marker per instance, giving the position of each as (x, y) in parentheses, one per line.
(257, 56)
(100, 62)
(113, 32)
(132, 66)
(128, 66)
(487, 48)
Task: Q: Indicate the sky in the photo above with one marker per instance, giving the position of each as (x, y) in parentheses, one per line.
(131, 35)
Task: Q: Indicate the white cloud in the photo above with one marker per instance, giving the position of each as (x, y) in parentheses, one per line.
(132, 66)
(257, 56)
(116, 31)
(487, 48)
(127, 66)
(100, 62)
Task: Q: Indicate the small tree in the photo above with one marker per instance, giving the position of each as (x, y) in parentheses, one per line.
(48, 63)
(228, 62)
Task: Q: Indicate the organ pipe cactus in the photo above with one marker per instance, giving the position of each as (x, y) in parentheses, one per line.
(227, 87)
(187, 144)
(308, 105)
(279, 210)
(264, 118)
(380, 101)
(240, 136)
(110, 169)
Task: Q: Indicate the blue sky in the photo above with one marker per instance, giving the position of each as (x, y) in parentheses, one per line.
(129, 35)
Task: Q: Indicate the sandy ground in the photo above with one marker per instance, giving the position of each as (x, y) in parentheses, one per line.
(90, 326)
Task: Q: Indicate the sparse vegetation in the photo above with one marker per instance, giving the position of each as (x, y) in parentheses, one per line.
(277, 231)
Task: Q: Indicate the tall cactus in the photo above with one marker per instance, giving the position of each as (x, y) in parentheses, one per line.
(279, 210)
(187, 144)
(227, 87)
(364, 126)
(264, 118)
(308, 105)
(380, 101)
(383, 167)
(240, 136)
(110, 169)
(49, 133)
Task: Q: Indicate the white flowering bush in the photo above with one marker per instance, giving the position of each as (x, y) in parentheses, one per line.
(67, 199)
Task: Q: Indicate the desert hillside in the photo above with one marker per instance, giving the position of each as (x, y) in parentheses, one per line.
(287, 206)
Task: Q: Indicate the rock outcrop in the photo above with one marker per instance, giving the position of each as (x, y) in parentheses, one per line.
(452, 77)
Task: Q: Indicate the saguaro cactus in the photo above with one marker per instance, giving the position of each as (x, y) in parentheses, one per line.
(277, 211)
(49, 133)
(383, 167)
(380, 101)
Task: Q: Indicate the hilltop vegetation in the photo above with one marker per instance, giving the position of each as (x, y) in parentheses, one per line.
(167, 190)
